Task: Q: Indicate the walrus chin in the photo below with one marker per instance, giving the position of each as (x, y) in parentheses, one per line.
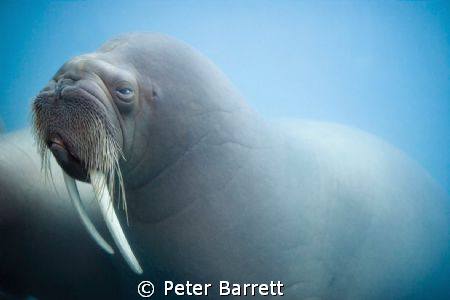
(81, 139)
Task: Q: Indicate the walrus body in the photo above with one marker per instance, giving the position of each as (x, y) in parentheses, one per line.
(216, 193)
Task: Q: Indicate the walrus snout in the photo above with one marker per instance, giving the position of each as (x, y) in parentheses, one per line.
(72, 120)
(68, 161)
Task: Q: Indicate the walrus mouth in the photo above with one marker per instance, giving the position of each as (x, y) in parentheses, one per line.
(82, 140)
(67, 159)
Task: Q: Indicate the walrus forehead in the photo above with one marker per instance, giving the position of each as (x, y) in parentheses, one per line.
(94, 63)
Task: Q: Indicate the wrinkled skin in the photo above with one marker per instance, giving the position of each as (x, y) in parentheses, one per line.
(215, 192)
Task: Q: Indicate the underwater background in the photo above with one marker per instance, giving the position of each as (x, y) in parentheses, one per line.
(382, 66)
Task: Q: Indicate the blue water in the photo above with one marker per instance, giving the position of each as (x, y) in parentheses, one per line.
(382, 67)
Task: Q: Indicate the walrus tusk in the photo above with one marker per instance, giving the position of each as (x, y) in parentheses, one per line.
(76, 201)
(104, 200)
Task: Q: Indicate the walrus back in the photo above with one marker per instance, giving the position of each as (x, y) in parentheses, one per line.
(387, 219)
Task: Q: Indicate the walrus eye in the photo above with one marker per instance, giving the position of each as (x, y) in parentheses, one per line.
(125, 93)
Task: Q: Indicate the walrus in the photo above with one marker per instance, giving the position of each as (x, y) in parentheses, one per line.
(194, 185)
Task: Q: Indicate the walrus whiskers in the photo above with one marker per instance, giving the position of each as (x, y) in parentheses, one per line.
(94, 143)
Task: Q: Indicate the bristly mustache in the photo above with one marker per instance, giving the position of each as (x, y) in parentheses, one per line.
(88, 134)
(90, 137)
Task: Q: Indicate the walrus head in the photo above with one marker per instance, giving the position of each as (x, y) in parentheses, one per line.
(78, 118)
